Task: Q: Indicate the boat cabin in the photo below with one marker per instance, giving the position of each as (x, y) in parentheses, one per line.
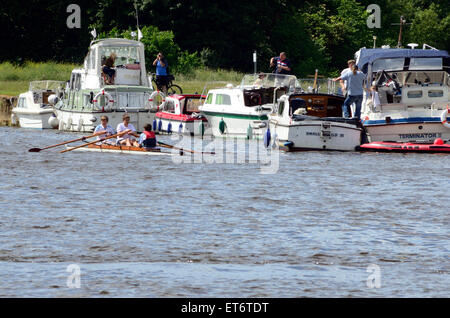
(317, 105)
(183, 104)
(39, 92)
(129, 64)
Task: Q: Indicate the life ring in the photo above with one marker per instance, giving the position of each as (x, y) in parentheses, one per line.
(153, 102)
(80, 124)
(444, 118)
(108, 97)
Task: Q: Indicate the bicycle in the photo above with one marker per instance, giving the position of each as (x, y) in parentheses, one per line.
(171, 88)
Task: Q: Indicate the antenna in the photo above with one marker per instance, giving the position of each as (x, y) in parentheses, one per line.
(402, 23)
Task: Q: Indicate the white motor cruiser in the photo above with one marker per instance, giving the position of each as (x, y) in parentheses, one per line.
(310, 120)
(34, 108)
(242, 111)
(413, 88)
(91, 93)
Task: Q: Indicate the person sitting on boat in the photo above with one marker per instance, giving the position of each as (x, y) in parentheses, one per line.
(108, 69)
(127, 139)
(162, 72)
(282, 64)
(355, 86)
(147, 138)
(104, 127)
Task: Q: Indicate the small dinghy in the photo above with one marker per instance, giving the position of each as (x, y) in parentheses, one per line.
(382, 146)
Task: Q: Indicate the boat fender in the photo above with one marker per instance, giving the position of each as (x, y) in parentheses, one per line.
(153, 101)
(438, 142)
(108, 105)
(160, 125)
(68, 125)
(201, 129)
(444, 120)
(53, 121)
(249, 132)
(154, 124)
(80, 124)
(275, 140)
(222, 126)
(169, 128)
(267, 138)
(180, 128)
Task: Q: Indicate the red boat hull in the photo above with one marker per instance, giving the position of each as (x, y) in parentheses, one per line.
(379, 146)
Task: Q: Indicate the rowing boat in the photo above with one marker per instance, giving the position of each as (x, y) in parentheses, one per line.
(125, 149)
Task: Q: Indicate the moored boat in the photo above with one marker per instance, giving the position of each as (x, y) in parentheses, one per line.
(413, 88)
(91, 93)
(310, 120)
(34, 107)
(242, 111)
(180, 114)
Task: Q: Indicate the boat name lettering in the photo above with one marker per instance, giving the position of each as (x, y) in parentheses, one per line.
(312, 133)
(420, 135)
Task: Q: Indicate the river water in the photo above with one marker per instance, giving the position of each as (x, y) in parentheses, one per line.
(323, 224)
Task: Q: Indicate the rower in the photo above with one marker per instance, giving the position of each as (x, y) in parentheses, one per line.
(147, 138)
(104, 127)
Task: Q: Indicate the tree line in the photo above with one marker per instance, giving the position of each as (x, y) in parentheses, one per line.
(222, 33)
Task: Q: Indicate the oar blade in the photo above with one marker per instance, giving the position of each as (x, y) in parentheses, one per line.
(34, 149)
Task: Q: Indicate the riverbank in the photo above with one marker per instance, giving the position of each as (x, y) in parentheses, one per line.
(6, 105)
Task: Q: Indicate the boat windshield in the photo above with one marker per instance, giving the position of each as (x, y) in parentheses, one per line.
(268, 80)
(434, 63)
(47, 85)
(395, 64)
(124, 54)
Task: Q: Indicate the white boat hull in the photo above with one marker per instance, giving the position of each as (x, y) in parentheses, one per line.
(33, 119)
(130, 152)
(87, 121)
(237, 126)
(408, 132)
(316, 135)
(188, 128)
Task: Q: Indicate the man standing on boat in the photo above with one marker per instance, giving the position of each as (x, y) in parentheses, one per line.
(343, 84)
(162, 71)
(355, 87)
(281, 63)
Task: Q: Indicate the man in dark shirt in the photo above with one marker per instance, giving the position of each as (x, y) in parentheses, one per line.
(281, 63)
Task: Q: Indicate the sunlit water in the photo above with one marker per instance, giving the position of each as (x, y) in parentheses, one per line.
(145, 226)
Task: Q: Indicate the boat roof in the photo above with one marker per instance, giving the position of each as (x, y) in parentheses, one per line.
(182, 96)
(368, 56)
(116, 42)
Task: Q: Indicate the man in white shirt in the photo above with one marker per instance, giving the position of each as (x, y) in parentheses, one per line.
(343, 83)
(107, 128)
(130, 138)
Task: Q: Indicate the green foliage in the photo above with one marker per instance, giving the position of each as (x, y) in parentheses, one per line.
(33, 71)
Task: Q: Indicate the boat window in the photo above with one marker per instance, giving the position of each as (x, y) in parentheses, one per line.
(91, 64)
(434, 63)
(191, 105)
(281, 108)
(437, 93)
(124, 54)
(414, 94)
(209, 99)
(169, 106)
(22, 103)
(388, 64)
(223, 99)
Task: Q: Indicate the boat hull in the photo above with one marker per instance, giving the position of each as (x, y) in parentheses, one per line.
(33, 119)
(237, 125)
(408, 132)
(123, 149)
(78, 121)
(405, 147)
(182, 125)
(316, 135)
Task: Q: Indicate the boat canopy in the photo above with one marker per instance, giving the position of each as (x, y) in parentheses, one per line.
(369, 56)
(269, 80)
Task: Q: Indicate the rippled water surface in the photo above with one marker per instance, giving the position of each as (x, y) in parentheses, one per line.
(145, 226)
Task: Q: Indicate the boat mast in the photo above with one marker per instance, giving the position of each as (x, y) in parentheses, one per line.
(402, 22)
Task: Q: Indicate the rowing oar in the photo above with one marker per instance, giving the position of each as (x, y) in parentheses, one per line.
(67, 142)
(182, 149)
(100, 140)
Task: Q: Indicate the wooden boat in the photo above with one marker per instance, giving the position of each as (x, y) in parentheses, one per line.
(438, 146)
(125, 149)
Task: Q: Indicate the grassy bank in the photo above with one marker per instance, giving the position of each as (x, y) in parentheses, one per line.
(15, 79)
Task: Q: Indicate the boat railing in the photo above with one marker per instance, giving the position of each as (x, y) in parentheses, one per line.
(323, 86)
(47, 85)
